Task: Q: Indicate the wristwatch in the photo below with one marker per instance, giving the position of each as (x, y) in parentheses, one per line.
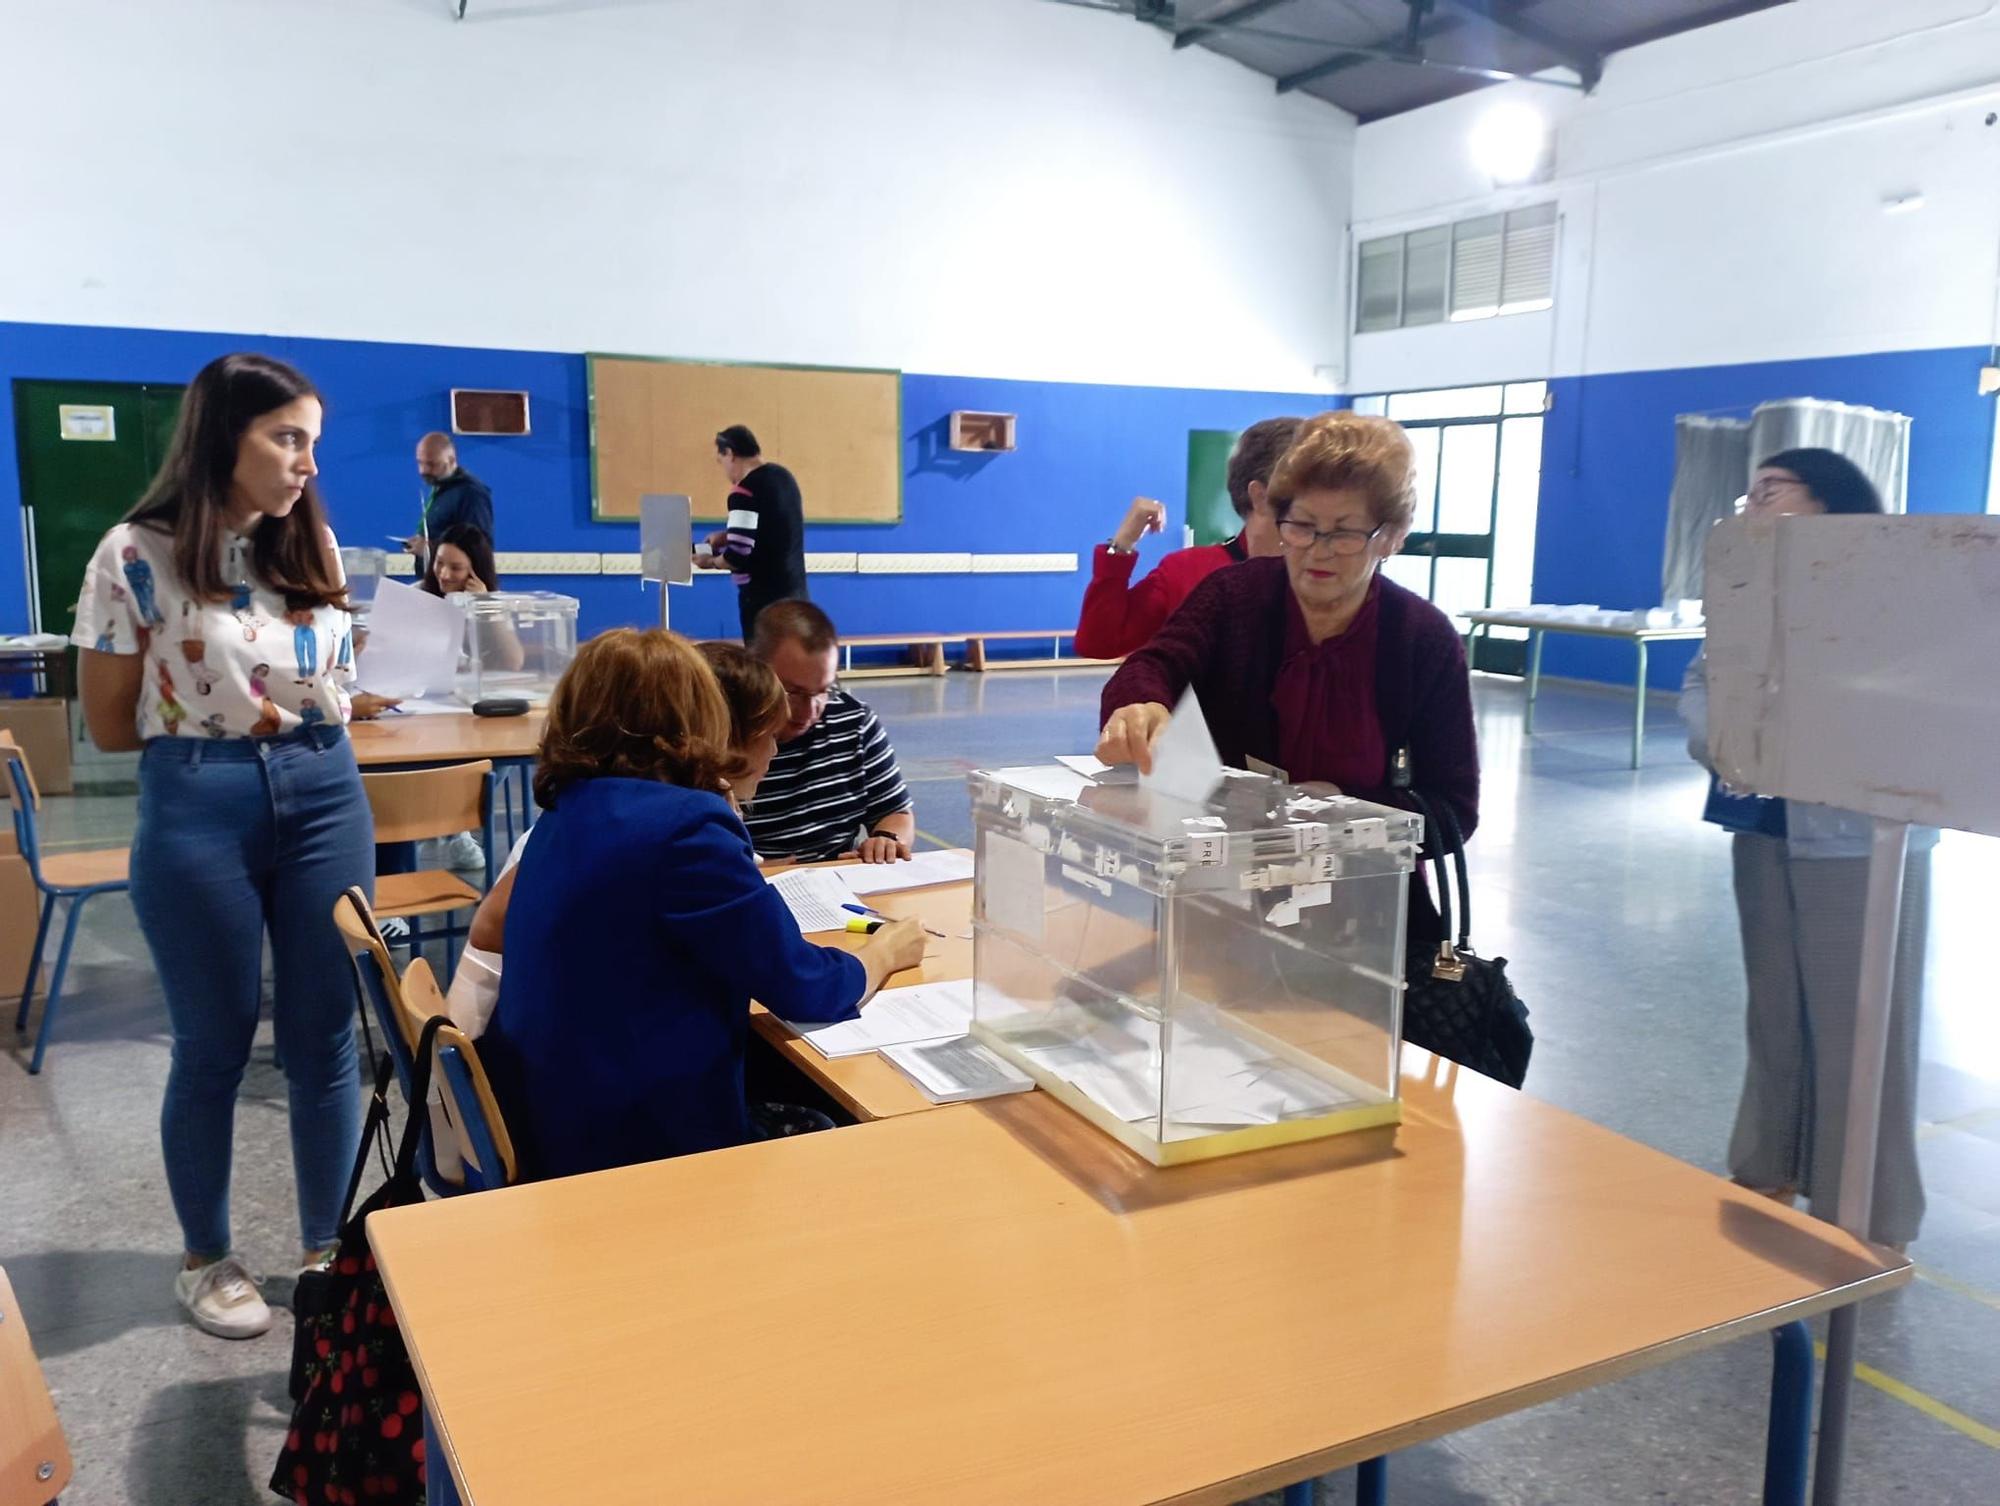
(1111, 547)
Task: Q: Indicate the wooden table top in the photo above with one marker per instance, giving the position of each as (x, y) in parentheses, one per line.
(445, 738)
(996, 1303)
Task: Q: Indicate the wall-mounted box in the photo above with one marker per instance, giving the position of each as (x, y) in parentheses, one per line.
(982, 431)
(477, 411)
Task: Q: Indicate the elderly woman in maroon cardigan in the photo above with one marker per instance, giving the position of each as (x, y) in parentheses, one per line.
(1312, 661)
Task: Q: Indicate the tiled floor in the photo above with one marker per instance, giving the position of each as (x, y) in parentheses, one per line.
(1601, 886)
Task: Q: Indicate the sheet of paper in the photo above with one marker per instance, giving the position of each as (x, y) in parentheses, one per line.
(1013, 887)
(951, 867)
(1185, 762)
(1049, 780)
(427, 706)
(955, 1070)
(815, 896)
(414, 640)
(897, 1016)
(1089, 765)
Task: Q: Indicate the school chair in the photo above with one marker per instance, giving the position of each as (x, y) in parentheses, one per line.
(77, 877)
(378, 990)
(485, 1150)
(465, 1134)
(34, 1457)
(418, 804)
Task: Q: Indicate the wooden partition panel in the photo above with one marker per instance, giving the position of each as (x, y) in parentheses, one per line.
(653, 426)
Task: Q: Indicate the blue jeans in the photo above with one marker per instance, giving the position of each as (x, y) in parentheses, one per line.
(238, 836)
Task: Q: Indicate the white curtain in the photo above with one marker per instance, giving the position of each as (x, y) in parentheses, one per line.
(1711, 469)
(1876, 441)
(1714, 458)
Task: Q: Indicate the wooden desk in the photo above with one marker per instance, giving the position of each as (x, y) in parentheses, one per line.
(404, 739)
(1538, 628)
(996, 1303)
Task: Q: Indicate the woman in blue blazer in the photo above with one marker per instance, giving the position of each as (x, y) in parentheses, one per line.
(641, 927)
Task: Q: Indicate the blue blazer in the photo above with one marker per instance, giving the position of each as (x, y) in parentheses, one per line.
(638, 933)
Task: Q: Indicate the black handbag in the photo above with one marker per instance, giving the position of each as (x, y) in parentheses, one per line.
(1458, 1004)
(357, 1432)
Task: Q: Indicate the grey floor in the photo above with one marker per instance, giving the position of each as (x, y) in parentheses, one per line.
(1601, 886)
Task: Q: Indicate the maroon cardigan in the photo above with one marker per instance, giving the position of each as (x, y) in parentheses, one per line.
(1228, 639)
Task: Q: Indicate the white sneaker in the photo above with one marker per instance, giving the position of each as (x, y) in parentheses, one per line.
(222, 1298)
(395, 928)
(463, 852)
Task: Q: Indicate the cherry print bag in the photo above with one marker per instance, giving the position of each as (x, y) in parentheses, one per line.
(357, 1434)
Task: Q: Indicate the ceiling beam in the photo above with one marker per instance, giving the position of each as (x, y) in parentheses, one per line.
(1235, 15)
(1587, 65)
(1395, 48)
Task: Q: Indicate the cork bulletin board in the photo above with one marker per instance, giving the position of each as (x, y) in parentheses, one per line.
(653, 425)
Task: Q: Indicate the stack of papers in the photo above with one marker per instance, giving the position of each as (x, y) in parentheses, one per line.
(815, 896)
(925, 868)
(957, 1070)
(896, 1017)
(1216, 1077)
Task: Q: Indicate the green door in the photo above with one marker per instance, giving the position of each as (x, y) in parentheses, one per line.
(1210, 513)
(80, 472)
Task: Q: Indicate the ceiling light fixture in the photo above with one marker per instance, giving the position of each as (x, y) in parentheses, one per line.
(1511, 144)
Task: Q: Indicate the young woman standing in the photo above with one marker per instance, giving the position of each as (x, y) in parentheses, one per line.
(215, 638)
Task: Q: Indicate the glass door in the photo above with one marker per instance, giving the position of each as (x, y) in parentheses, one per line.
(1478, 484)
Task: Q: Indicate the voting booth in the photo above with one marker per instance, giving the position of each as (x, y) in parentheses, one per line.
(1195, 976)
(1851, 664)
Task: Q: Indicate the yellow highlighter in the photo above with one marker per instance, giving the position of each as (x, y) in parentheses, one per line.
(863, 925)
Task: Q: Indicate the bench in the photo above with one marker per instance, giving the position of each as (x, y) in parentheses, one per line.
(976, 660)
(926, 652)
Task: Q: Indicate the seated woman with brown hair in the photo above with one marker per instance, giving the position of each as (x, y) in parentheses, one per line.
(758, 711)
(1313, 662)
(641, 927)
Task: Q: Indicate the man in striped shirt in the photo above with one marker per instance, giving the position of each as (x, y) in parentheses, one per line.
(833, 789)
(763, 544)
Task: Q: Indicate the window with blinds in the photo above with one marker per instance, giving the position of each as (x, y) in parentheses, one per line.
(1472, 269)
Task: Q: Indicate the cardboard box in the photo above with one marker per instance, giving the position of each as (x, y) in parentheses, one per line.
(20, 909)
(20, 903)
(40, 725)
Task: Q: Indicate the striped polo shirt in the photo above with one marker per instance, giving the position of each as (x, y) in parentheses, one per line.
(828, 787)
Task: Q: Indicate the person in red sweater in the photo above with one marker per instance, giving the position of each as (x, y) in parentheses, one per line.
(1119, 617)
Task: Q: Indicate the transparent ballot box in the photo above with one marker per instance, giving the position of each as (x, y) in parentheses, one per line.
(517, 643)
(1195, 977)
(364, 569)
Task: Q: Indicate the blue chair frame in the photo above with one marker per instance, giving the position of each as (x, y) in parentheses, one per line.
(26, 835)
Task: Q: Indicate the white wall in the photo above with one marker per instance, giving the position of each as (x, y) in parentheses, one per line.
(1000, 187)
(1722, 199)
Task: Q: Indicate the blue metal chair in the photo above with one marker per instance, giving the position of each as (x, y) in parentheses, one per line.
(78, 877)
(483, 1152)
(477, 1152)
(379, 993)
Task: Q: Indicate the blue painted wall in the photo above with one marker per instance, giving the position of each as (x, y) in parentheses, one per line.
(1608, 464)
(1085, 451)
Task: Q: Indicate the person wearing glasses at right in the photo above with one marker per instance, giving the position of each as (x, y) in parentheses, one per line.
(1801, 880)
(1313, 662)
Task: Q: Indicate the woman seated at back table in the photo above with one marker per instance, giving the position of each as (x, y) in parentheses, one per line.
(462, 561)
(1313, 662)
(641, 927)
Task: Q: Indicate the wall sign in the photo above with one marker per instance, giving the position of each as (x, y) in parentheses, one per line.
(87, 421)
